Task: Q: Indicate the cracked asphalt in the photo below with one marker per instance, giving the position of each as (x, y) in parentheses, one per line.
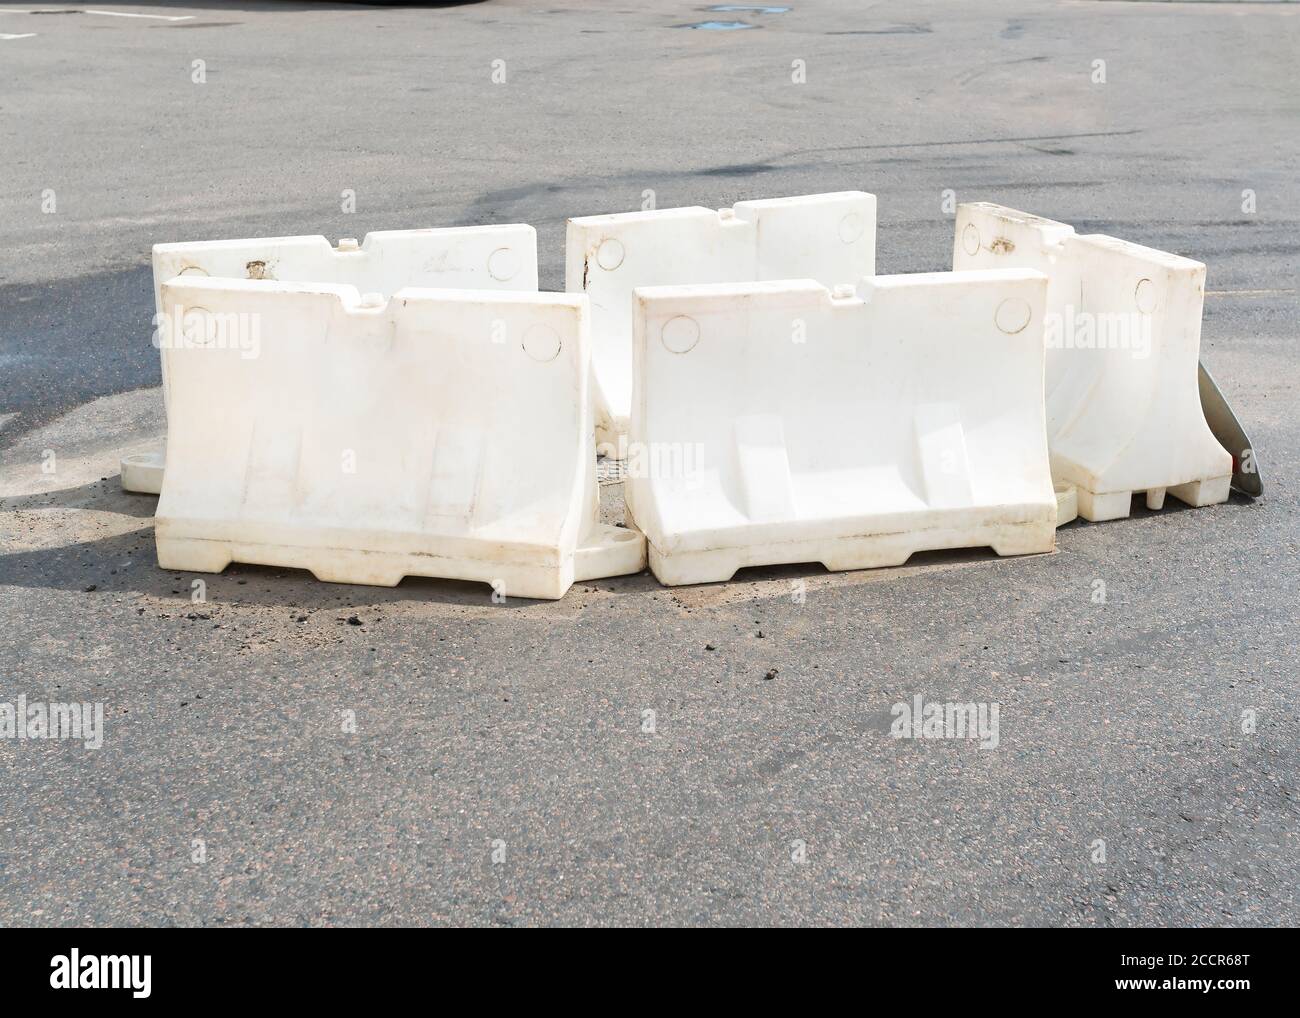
(292, 752)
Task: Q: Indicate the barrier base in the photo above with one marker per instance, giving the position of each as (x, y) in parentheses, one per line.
(1115, 505)
(607, 551)
(867, 551)
(1067, 504)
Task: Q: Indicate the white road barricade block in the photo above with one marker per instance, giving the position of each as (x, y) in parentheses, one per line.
(1123, 336)
(469, 258)
(437, 433)
(783, 422)
(827, 237)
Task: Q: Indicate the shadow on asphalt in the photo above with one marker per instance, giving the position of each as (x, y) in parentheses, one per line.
(125, 563)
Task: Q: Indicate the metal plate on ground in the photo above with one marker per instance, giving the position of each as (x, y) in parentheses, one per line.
(1232, 436)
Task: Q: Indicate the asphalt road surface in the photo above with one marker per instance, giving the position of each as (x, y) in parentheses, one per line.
(498, 772)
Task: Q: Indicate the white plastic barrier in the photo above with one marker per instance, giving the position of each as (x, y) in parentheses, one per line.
(439, 433)
(1123, 336)
(782, 422)
(473, 258)
(827, 237)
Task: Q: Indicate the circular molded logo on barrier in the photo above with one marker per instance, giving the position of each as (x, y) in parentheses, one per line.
(197, 328)
(503, 264)
(1013, 315)
(610, 254)
(680, 334)
(1145, 295)
(541, 343)
(851, 228)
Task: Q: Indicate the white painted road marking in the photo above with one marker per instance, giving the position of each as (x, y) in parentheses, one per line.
(1245, 293)
(155, 17)
(25, 35)
(107, 14)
